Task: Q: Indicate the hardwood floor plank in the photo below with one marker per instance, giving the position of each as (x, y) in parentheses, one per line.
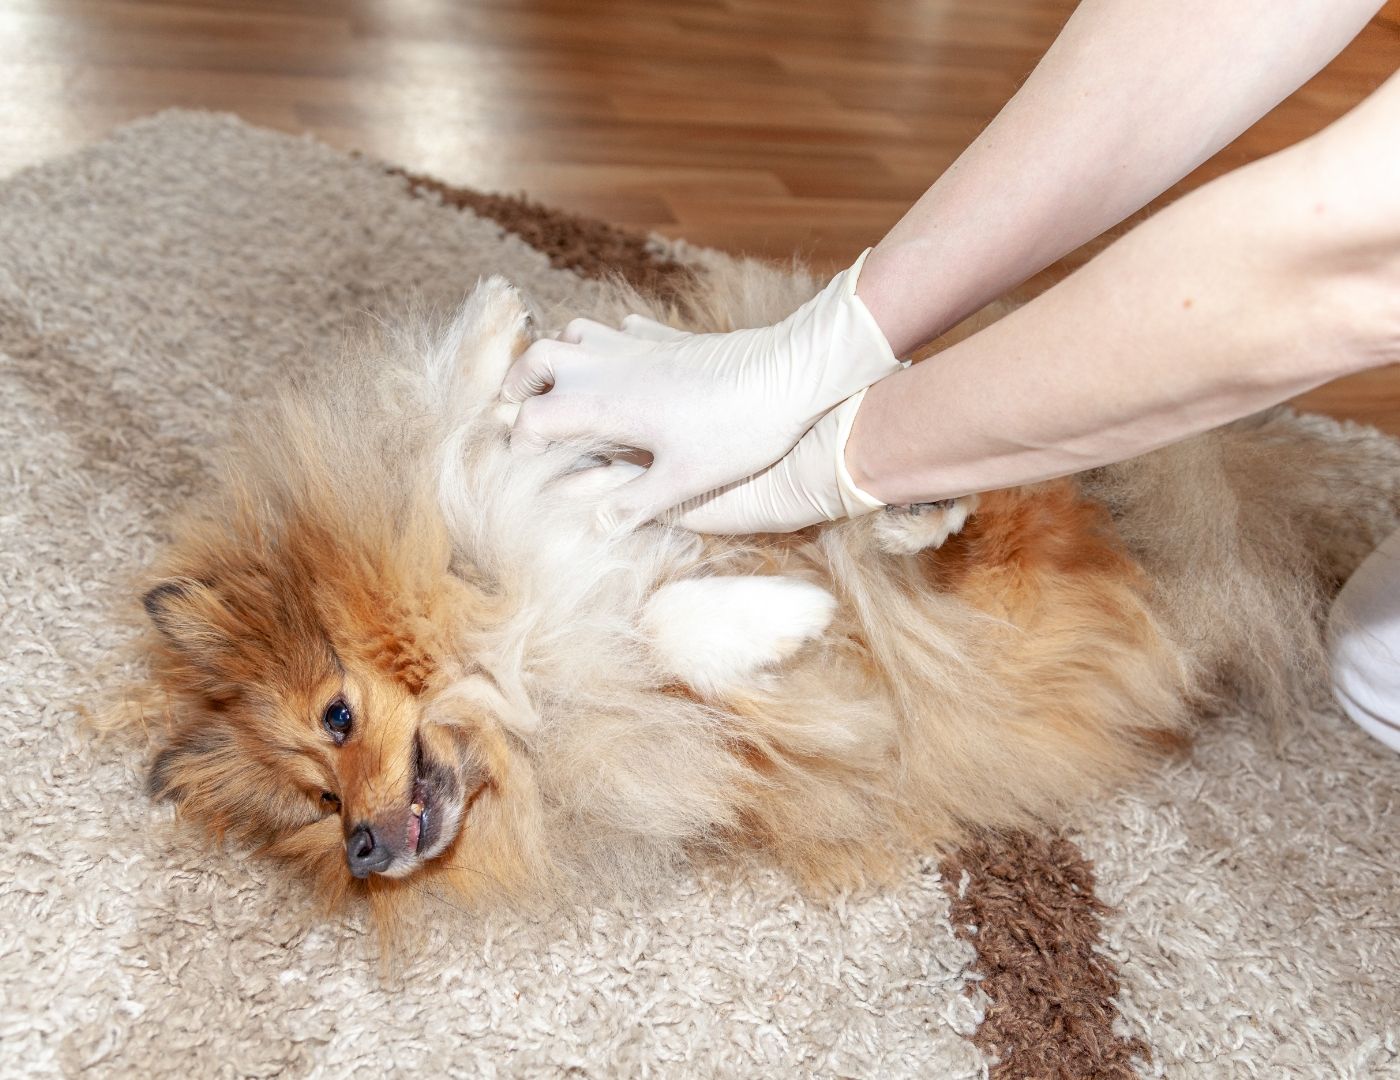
(770, 126)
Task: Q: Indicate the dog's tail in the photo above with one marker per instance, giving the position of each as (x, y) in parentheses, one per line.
(1247, 533)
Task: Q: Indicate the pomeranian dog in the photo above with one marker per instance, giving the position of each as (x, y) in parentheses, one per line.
(394, 654)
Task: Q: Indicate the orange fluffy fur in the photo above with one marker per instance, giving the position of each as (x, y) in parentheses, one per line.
(374, 542)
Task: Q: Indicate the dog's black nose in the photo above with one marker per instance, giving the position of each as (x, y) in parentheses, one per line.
(364, 855)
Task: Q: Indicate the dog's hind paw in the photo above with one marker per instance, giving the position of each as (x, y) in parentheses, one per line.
(906, 529)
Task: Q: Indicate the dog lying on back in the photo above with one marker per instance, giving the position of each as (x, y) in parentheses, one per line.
(394, 654)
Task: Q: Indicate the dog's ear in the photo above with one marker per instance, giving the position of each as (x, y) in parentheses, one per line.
(192, 619)
(208, 773)
(179, 610)
(186, 762)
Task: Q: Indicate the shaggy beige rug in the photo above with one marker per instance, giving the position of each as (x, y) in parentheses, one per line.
(1234, 916)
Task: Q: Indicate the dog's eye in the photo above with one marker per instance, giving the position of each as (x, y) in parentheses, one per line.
(337, 720)
(330, 801)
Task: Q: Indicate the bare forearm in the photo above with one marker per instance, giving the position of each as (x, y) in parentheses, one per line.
(1131, 96)
(1258, 286)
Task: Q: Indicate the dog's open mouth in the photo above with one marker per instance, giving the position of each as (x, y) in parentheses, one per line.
(437, 806)
(420, 818)
(434, 806)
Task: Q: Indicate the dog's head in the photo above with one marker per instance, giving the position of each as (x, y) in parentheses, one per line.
(314, 633)
(309, 716)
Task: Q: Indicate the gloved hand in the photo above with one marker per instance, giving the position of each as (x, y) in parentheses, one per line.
(711, 409)
(809, 485)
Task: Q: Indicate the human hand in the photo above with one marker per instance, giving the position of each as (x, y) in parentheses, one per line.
(809, 485)
(711, 409)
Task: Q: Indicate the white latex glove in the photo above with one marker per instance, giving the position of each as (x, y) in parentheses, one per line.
(809, 485)
(711, 409)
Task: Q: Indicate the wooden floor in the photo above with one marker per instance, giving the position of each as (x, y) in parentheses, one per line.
(766, 126)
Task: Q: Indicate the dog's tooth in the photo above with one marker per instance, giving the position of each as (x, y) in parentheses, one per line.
(417, 809)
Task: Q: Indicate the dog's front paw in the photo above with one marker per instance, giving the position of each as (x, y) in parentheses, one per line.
(906, 529)
(492, 329)
(719, 634)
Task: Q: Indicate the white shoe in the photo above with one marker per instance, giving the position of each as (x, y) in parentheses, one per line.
(1364, 637)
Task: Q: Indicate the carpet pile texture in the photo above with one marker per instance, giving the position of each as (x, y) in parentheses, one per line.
(1234, 916)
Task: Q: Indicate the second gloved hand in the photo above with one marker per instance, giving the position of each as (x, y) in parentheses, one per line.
(810, 485)
(711, 409)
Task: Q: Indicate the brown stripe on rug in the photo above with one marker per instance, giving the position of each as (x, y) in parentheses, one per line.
(586, 245)
(1026, 903)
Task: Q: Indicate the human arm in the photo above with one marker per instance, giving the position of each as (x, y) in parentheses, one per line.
(1131, 96)
(1256, 287)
